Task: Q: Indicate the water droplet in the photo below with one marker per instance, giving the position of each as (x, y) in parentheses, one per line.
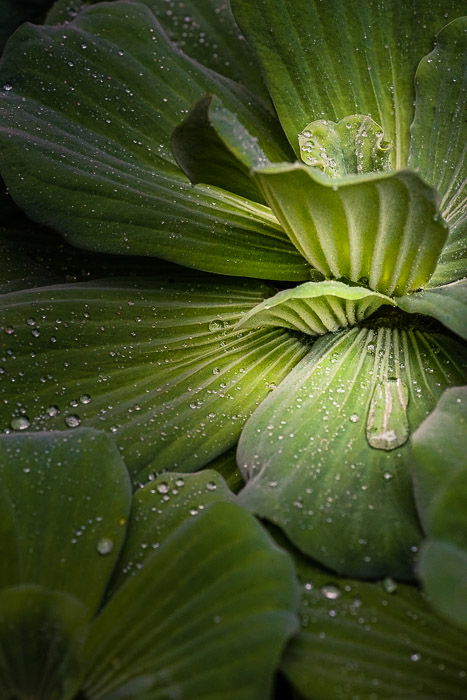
(163, 487)
(85, 398)
(415, 657)
(387, 426)
(330, 591)
(105, 546)
(72, 421)
(216, 325)
(52, 411)
(20, 423)
(211, 486)
(8, 87)
(354, 418)
(388, 476)
(389, 585)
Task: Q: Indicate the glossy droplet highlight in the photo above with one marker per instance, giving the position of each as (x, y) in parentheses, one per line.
(216, 325)
(73, 421)
(330, 591)
(20, 423)
(387, 426)
(105, 546)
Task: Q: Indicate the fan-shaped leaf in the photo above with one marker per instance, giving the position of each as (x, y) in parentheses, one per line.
(314, 69)
(85, 143)
(372, 640)
(41, 638)
(315, 308)
(66, 515)
(207, 616)
(448, 304)
(325, 454)
(159, 365)
(382, 228)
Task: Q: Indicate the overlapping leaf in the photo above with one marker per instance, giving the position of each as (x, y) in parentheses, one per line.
(325, 454)
(315, 308)
(159, 365)
(207, 616)
(59, 516)
(366, 69)
(441, 490)
(439, 137)
(41, 639)
(86, 145)
(448, 304)
(382, 228)
(372, 640)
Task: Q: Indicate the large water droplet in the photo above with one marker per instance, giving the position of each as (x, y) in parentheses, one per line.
(20, 423)
(387, 426)
(105, 546)
(72, 421)
(330, 591)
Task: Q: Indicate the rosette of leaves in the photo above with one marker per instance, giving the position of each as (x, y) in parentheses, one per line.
(170, 592)
(310, 169)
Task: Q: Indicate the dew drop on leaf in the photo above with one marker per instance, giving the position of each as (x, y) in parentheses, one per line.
(105, 546)
(387, 426)
(20, 423)
(72, 421)
(330, 591)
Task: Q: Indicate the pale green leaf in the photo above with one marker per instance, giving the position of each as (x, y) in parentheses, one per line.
(60, 523)
(315, 308)
(327, 60)
(326, 456)
(85, 141)
(372, 641)
(447, 304)
(382, 228)
(206, 617)
(41, 639)
(160, 365)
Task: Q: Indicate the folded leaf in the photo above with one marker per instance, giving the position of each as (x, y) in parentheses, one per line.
(207, 616)
(332, 59)
(41, 639)
(315, 308)
(448, 304)
(60, 525)
(159, 365)
(372, 640)
(85, 144)
(325, 455)
(159, 507)
(381, 228)
(213, 147)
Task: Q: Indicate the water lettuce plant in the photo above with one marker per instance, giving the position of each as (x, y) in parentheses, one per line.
(293, 174)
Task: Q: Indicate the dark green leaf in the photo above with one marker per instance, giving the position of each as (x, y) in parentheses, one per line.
(333, 59)
(372, 641)
(212, 146)
(85, 143)
(382, 228)
(438, 137)
(325, 454)
(68, 498)
(315, 308)
(159, 365)
(41, 638)
(159, 507)
(442, 568)
(206, 617)
(448, 304)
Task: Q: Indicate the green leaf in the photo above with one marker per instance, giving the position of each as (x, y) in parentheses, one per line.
(439, 450)
(447, 304)
(354, 145)
(204, 29)
(19, 270)
(325, 454)
(41, 638)
(315, 70)
(213, 147)
(158, 364)
(207, 616)
(438, 138)
(372, 640)
(381, 228)
(159, 507)
(442, 568)
(315, 308)
(85, 143)
(60, 524)
(440, 482)
(226, 466)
